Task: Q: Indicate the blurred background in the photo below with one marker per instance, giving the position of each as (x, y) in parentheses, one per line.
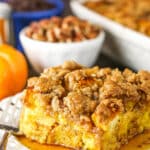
(21, 19)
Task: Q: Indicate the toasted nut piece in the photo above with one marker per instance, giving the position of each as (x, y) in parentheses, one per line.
(56, 29)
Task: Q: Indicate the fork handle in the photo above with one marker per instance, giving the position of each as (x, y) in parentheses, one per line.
(4, 140)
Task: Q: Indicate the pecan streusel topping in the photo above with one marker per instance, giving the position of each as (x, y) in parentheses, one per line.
(87, 91)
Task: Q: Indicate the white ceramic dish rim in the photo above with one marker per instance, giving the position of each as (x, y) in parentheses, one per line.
(99, 36)
(12, 143)
(124, 32)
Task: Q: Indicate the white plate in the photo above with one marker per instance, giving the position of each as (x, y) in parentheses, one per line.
(9, 115)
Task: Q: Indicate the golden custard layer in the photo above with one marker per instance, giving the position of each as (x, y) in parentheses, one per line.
(86, 108)
(134, 14)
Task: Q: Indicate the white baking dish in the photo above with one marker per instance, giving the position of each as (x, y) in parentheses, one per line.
(122, 44)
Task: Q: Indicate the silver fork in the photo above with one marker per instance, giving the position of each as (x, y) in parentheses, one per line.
(9, 117)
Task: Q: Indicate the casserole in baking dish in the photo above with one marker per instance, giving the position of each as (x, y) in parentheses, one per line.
(122, 43)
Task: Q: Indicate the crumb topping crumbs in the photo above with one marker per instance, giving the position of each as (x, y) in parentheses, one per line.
(84, 92)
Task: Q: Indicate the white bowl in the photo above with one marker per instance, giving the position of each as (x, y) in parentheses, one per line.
(122, 44)
(45, 54)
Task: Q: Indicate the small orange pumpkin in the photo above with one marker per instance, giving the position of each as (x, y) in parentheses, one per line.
(13, 71)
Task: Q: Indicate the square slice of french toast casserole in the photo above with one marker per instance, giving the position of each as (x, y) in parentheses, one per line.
(86, 108)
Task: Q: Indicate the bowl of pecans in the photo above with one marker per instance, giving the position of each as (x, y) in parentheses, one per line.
(52, 41)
